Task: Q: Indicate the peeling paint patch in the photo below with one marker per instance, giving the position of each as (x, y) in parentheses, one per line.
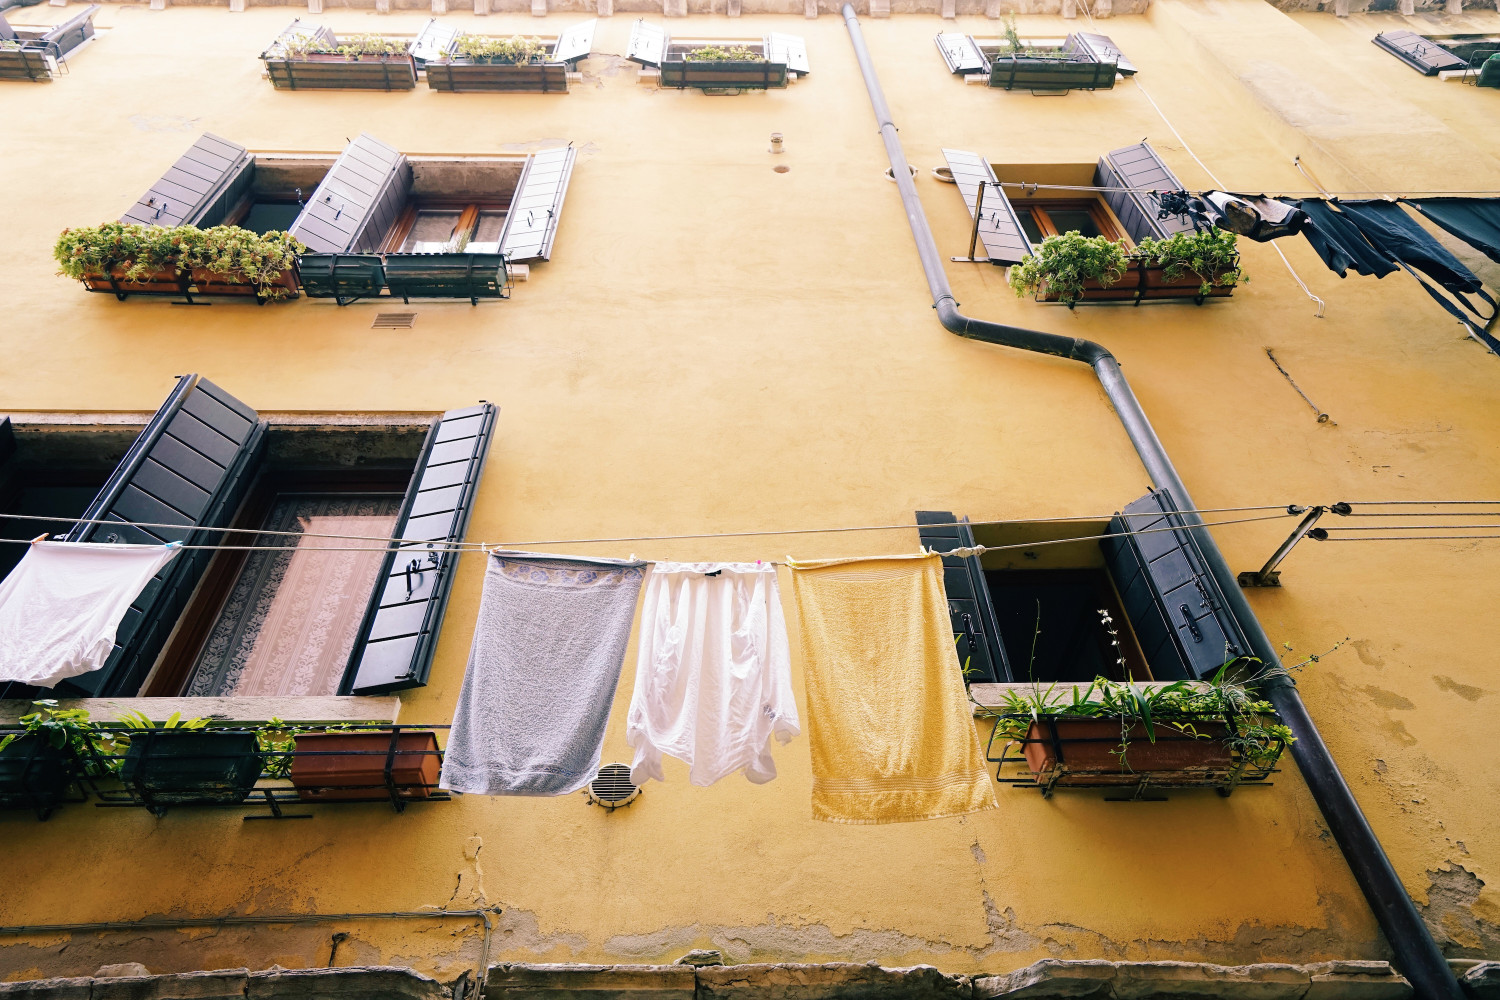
(1452, 893)
(1466, 691)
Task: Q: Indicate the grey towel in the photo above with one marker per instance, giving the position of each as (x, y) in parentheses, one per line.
(547, 652)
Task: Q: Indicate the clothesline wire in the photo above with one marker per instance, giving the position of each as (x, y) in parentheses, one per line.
(1110, 189)
(472, 547)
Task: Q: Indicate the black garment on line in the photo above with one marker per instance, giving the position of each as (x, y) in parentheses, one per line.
(1389, 229)
(1476, 221)
(1339, 243)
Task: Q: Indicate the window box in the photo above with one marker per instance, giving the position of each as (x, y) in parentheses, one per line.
(343, 277)
(1143, 281)
(758, 74)
(216, 283)
(336, 72)
(471, 276)
(191, 766)
(744, 64)
(37, 53)
(479, 76)
(171, 281)
(34, 774)
(26, 62)
(344, 766)
(1051, 72)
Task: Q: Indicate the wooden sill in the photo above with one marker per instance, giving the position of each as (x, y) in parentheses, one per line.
(329, 708)
(994, 694)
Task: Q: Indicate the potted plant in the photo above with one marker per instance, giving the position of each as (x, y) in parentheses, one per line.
(1208, 260)
(185, 762)
(40, 760)
(1071, 268)
(733, 67)
(340, 764)
(358, 62)
(1064, 268)
(159, 260)
(491, 63)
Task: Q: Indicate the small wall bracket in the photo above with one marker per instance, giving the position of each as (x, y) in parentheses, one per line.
(1268, 575)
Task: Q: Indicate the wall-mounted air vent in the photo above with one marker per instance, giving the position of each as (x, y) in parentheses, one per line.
(394, 321)
(612, 788)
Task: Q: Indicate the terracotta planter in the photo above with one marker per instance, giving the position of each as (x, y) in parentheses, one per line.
(163, 281)
(215, 283)
(1088, 745)
(1142, 281)
(331, 767)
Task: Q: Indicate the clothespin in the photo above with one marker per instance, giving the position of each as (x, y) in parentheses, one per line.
(39, 538)
(175, 544)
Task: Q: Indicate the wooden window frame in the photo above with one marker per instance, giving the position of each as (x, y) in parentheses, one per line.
(1104, 220)
(467, 221)
(174, 667)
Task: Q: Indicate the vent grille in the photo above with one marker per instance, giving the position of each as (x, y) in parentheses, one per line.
(612, 788)
(394, 321)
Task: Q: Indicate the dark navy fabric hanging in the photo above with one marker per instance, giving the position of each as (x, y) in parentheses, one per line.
(1476, 221)
(1339, 243)
(1388, 228)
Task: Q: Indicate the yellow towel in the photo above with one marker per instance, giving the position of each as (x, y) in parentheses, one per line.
(890, 727)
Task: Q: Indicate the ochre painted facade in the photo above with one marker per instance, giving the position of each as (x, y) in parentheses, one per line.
(719, 347)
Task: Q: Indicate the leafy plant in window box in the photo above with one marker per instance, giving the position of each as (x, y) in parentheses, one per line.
(224, 260)
(38, 763)
(185, 762)
(724, 54)
(1211, 255)
(352, 48)
(1064, 267)
(517, 50)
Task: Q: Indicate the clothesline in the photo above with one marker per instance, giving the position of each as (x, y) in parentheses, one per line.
(1030, 186)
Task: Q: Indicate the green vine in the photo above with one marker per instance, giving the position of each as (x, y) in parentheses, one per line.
(1064, 263)
(1211, 255)
(138, 251)
(517, 50)
(724, 53)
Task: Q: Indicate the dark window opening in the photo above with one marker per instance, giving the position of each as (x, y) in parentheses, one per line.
(1051, 626)
(1087, 217)
(275, 192)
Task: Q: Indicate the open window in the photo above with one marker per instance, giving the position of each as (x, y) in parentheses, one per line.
(770, 61)
(1061, 604)
(1450, 56)
(452, 63)
(304, 615)
(40, 53)
(1083, 60)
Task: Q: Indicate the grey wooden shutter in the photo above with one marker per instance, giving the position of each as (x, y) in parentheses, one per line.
(434, 41)
(1174, 605)
(999, 230)
(970, 607)
(1104, 49)
(6, 31)
(1425, 56)
(1138, 167)
(358, 200)
(189, 468)
(400, 630)
(648, 44)
(575, 43)
(531, 224)
(199, 189)
(790, 51)
(962, 53)
(73, 32)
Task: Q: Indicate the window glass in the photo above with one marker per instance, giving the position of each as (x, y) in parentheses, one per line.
(290, 619)
(1029, 225)
(432, 232)
(1080, 220)
(487, 232)
(265, 216)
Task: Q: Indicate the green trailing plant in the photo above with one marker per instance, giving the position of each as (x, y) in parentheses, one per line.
(1062, 264)
(517, 50)
(137, 251)
(1210, 254)
(353, 47)
(65, 727)
(1012, 44)
(724, 53)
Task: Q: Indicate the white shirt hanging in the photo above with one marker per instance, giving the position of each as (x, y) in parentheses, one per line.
(62, 604)
(713, 677)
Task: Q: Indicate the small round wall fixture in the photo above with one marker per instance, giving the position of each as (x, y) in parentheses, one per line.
(612, 788)
(891, 176)
(781, 168)
(944, 174)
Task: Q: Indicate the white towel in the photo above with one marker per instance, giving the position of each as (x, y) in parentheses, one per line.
(61, 606)
(713, 674)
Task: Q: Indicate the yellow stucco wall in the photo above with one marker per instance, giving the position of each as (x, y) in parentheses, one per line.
(718, 347)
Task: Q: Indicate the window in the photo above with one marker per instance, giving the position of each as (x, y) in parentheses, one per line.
(307, 616)
(1034, 609)
(775, 60)
(1083, 60)
(1434, 54)
(1053, 217)
(429, 227)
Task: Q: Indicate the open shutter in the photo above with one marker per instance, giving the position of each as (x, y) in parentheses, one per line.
(790, 51)
(434, 40)
(1177, 610)
(358, 201)
(1138, 167)
(1104, 49)
(1425, 56)
(976, 631)
(534, 211)
(648, 44)
(190, 467)
(962, 53)
(999, 229)
(575, 43)
(7, 33)
(400, 629)
(200, 188)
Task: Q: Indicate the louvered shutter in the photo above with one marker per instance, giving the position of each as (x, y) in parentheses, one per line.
(790, 51)
(575, 43)
(531, 224)
(200, 188)
(400, 630)
(190, 467)
(73, 32)
(1173, 603)
(976, 630)
(648, 44)
(999, 229)
(1104, 49)
(434, 40)
(358, 200)
(1425, 56)
(1139, 167)
(962, 53)
(6, 31)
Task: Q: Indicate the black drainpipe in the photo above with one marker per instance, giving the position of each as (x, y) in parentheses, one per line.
(1416, 954)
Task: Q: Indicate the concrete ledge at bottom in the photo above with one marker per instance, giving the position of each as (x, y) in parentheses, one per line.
(600, 982)
(1052, 978)
(844, 980)
(351, 982)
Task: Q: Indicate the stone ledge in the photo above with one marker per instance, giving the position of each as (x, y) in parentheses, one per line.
(1053, 978)
(601, 982)
(844, 980)
(352, 982)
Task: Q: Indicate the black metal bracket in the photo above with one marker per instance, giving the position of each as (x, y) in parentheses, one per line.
(1268, 575)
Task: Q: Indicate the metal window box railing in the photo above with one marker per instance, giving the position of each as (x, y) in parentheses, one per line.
(348, 278)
